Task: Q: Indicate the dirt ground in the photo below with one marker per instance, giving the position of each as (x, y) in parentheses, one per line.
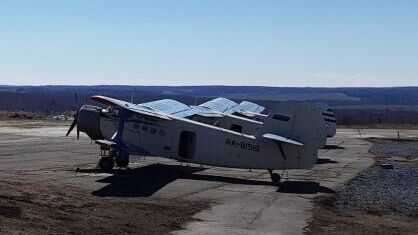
(328, 219)
(41, 192)
(331, 217)
(29, 208)
(32, 202)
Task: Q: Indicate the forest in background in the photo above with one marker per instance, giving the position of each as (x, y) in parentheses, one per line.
(353, 106)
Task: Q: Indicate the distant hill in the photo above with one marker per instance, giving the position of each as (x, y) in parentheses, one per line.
(353, 106)
(325, 96)
(395, 95)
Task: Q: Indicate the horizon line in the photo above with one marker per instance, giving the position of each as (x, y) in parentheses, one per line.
(173, 86)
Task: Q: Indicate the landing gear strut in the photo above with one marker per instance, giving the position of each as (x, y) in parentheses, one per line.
(116, 156)
(275, 178)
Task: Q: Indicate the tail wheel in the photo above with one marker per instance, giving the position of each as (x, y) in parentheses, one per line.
(275, 178)
(106, 164)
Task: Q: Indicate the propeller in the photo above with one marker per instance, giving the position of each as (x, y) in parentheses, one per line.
(74, 124)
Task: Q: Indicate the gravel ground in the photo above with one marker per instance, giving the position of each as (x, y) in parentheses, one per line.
(399, 148)
(378, 190)
(376, 201)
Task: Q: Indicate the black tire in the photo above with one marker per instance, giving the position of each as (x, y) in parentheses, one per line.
(106, 164)
(275, 178)
(121, 157)
(122, 161)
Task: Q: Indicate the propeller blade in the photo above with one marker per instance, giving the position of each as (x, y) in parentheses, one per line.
(73, 124)
(78, 130)
(71, 127)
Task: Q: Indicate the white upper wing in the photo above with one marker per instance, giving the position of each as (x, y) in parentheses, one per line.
(220, 104)
(179, 109)
(168, 106)
(228, 106)
(139, 109)
(251, 107)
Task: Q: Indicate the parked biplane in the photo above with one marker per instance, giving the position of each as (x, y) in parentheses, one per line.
(285, 139)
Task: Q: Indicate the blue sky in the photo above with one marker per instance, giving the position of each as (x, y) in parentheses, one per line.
(212, 42)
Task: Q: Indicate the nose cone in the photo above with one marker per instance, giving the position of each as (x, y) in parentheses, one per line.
(88, 121)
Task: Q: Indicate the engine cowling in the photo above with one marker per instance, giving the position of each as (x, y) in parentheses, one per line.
(88, 121)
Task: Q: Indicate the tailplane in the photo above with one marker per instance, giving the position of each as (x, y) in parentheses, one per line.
(299, 130)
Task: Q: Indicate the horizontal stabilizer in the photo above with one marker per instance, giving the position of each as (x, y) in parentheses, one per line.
(281, 139)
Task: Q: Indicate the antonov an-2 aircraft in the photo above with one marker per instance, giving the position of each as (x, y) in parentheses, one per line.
(245, 117)
(254, 111)
(285, 140)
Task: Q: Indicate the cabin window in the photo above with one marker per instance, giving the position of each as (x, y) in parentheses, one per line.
(236, 128)
(145, 128)
(153, 130)
(161, 132)
(187, 145)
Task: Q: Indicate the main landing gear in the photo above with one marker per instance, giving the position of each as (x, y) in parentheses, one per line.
(275, 178)
(106, 164)
(119, 157)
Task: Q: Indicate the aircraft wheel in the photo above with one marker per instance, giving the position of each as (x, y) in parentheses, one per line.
(106, 164)
(122, 161)
(275, 178)
(121, 157)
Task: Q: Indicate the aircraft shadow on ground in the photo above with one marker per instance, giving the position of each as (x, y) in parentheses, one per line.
(147, 180)
(303, 187)
(143, 181)
(325, 161)
(333, 146)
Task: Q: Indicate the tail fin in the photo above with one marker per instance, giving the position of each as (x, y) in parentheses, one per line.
(298, 121)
